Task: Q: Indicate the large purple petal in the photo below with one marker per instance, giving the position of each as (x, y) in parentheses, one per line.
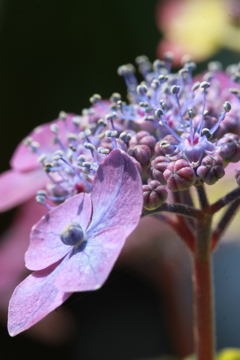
(34, 298)
(117, 194)
(88, 269)
(17, 187)
(45, 245)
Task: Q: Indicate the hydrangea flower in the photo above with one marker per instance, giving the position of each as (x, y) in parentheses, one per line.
(180, 131)
(74, 247)
(199, 28)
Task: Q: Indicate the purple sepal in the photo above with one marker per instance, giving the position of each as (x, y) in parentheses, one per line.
(35, 298)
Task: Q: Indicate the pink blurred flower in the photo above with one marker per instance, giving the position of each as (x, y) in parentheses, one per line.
(14, 243)
(26, 175)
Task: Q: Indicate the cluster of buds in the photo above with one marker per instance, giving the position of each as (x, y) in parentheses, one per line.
(189, 127)
(179, 130)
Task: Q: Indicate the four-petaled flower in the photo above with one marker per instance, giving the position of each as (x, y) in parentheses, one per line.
(74, 247)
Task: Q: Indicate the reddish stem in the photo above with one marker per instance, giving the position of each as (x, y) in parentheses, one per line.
(202, 292)
(203, 313)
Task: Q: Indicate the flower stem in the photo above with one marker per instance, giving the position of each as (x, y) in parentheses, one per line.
(204, 341)
(224, 223)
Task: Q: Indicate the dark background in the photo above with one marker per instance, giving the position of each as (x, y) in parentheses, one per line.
(57, 53)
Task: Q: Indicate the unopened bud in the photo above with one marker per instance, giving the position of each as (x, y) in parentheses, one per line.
(142, 153)
(154, 194)
(211, 169)
(179, 175)
(230, 147)
(157, 168)
(166, 146)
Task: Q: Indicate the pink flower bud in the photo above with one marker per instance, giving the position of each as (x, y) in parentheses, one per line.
(179, 175)
(143, 138)
(230, 147)
(166, 145)
(141, 153)
(211, 169)
(158, 166)
(154, 194)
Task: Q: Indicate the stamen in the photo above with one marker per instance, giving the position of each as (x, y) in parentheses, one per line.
(204, 85)
(96, 98)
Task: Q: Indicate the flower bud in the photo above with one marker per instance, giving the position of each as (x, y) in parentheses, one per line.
(166, 145)
(141, 153)
(143, 138)
(211, 169)
(229, 125)
(230, 147)
(157, 168)
(179, 175)
(154, 194)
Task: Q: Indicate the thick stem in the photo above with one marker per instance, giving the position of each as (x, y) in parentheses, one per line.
(203, 293)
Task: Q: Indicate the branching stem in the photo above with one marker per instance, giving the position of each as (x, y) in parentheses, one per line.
(176, 208)
(224, 222)
(225, 200)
